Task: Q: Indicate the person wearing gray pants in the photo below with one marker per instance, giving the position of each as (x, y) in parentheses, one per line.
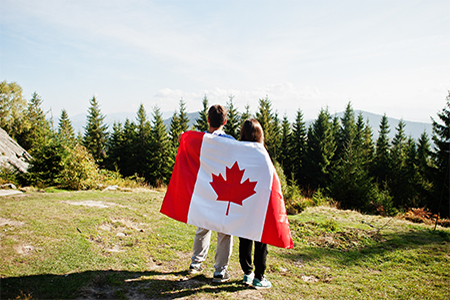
(217, 118)
(223, 253)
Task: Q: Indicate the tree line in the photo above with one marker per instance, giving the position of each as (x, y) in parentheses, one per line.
(337, 157)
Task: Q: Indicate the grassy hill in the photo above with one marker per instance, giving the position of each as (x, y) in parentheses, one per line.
(116, 245)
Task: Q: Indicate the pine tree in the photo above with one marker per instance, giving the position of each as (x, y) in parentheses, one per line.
(298, 149)
(201, 124)
(411, 175)
(347, 130)
(114, 147)
(320, 151)
(65, 129)
(397, 180)
(38, 131)
(270, 126)
(350, 184)
(47, 164)
(161, 159)
(233, 120)
(183, 117)
(128, 162)
(441, 153)
(424, 170)
(244, 116)
(79, 138)
(178, 125)
(359, 130)
(144, 139)
(367, 146)
(276, 132)
(381, 161)
(96, 132)
(174, 131)
(285, 147)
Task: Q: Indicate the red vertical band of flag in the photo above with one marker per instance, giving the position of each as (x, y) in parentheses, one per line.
(181, 186)
(276, 229)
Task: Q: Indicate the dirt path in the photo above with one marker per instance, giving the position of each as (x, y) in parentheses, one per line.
(9, 192)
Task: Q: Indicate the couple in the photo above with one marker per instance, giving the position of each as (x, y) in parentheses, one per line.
(251, 131)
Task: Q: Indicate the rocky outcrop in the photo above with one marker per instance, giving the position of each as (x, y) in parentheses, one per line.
(12, 156)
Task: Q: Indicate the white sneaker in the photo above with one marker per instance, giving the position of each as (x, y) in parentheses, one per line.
(221, 277)
(248, 279)
(262, 284)
(195, 268)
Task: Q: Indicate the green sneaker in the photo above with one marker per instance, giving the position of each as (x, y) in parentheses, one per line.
(248, 279)
(262, 284)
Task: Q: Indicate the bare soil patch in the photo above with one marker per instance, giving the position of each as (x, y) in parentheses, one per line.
(9, 192)
(24, 249)
(4, 221)
(91, 203)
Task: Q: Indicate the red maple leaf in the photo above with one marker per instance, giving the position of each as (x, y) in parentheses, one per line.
(232, 189)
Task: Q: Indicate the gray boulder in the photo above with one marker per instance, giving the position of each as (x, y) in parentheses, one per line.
(12, 155)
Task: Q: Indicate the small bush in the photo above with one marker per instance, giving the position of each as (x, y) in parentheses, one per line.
(381, 202)
(46, 165)
(8, 176)
(291, 193)
(79, 170)
(319, 199)
(109, 177)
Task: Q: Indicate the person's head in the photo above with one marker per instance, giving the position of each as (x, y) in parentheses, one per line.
(217, 116)
(251, 131)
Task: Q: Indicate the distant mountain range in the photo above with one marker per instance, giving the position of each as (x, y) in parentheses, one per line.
(413, 129)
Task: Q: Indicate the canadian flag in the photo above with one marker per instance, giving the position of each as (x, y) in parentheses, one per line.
(227, 186)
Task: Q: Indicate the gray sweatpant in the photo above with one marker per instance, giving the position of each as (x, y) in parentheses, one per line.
(201, 246)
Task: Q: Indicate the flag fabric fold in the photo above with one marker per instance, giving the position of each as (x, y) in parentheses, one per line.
(227, 186)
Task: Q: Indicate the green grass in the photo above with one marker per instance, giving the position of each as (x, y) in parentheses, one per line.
(53, 249)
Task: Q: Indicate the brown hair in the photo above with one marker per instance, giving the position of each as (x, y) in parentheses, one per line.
(217, 115)
(251, 131)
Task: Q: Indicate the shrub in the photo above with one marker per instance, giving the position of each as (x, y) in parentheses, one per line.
(8, 176)
(109, 177)
(319, 199)
(79, 170)
(291, 192)
(381, 202)
(47, 164)
(73, 169)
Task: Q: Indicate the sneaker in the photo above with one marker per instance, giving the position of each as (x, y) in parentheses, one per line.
(248, 279)
(195, 268)
(262, 284)
(221, 277)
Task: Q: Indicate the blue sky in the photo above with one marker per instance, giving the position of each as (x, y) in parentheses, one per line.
(388, 57)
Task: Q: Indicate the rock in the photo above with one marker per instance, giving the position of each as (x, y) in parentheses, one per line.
(111, 188)
(8, 186)
(12, 155)
(27, 189)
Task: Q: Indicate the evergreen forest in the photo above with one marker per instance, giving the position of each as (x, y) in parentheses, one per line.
(334, 158)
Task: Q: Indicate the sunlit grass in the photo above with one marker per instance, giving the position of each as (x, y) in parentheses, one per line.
(116, 245)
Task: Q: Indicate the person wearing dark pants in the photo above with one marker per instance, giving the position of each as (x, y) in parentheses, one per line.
(251, 131)
(260, 258)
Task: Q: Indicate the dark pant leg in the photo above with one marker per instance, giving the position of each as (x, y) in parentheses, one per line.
(260, 259)
(245, 255)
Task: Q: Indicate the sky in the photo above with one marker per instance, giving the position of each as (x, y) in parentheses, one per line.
(385, 57)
